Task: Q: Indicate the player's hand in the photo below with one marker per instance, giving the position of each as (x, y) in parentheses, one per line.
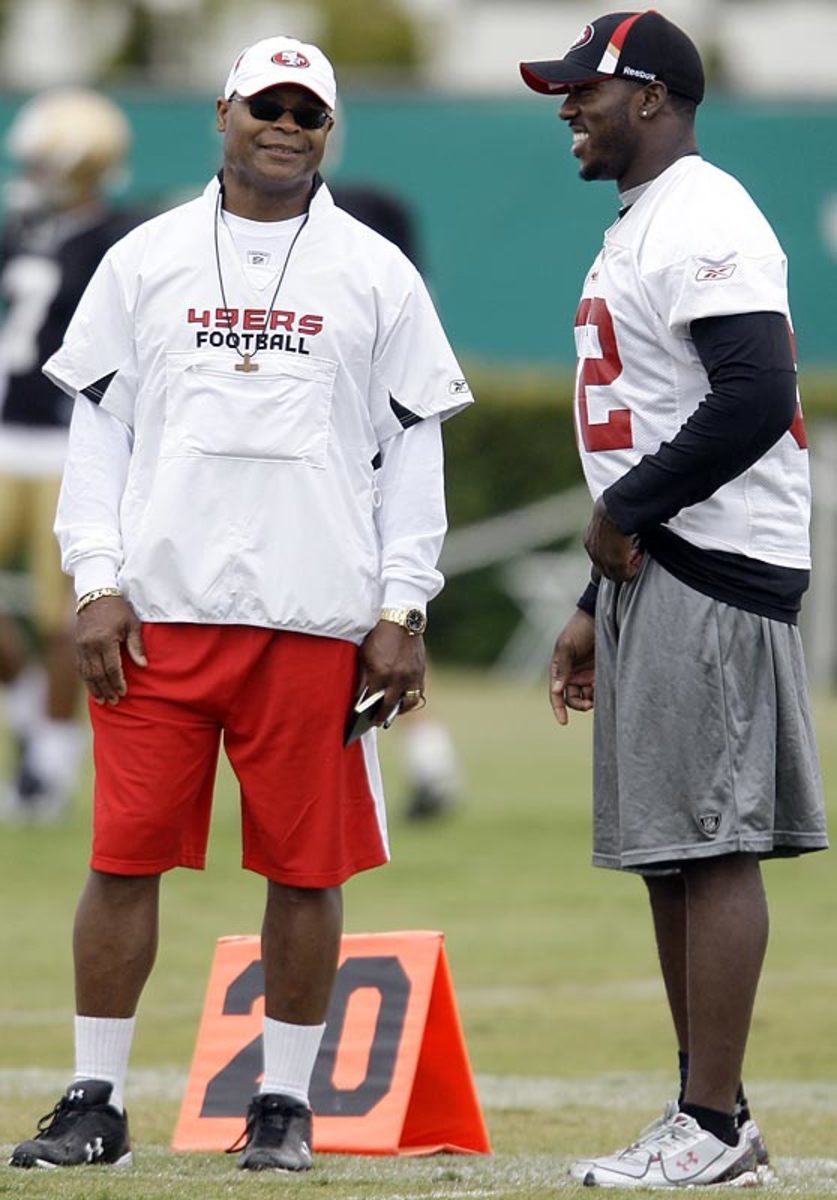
(101, 628)
(572, 667)
(393, 659)
(616, 554)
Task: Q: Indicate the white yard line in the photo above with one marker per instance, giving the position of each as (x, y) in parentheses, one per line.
(640, 1091)
(166, 1083)
(63, 1017)
(616, 1091)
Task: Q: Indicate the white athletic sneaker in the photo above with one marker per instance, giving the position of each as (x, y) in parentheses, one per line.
(750, 1130)
(678, 1154)
(578, 1169)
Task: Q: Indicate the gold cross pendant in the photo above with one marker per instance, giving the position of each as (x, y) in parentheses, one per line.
(247, 364)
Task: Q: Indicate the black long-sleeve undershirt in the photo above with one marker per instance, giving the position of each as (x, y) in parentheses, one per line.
(749, 363)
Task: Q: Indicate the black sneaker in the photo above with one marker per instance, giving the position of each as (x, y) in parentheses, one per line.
(32, 799)
(83, 1129)
(278, 1135)
(429, 800)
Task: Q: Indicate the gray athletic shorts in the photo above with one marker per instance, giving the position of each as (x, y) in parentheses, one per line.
(703, 741)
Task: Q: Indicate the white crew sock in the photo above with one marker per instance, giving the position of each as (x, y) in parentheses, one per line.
(102, 1048)
(430, 756)
(290, 1052)
(56, 749)
(25, 698)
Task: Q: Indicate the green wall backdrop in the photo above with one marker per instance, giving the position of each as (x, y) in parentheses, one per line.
(507, 227)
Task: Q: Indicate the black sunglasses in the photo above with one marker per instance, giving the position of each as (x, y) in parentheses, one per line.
(307, 116)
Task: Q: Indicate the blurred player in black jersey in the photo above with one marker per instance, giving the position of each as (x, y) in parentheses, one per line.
(382, 211)
(68, 147)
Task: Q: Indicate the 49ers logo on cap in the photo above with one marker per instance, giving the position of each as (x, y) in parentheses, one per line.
(583, 38)
(290, 58)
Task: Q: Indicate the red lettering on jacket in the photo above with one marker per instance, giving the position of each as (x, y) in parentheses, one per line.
(310, 324)
(257, 320)
(282, 320)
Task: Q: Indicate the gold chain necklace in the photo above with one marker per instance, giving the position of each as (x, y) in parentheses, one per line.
(247, 363)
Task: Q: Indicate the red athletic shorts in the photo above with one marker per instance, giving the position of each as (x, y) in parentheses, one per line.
(311, 810)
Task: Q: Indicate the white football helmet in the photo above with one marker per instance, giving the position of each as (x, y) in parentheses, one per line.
(70, 145)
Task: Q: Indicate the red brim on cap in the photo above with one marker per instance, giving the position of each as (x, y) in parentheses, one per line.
(552, 78)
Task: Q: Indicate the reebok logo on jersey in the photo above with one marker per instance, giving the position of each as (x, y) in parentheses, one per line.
(711, 274)
(458, 387)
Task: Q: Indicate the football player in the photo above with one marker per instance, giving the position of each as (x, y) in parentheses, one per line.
(694, 450)
(69, 148)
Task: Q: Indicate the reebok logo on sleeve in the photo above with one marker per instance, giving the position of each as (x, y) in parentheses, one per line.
(713, 274)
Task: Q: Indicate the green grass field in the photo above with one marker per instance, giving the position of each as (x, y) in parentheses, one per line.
(552, 962)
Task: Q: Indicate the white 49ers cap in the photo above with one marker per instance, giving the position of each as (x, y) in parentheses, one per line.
(282, 60)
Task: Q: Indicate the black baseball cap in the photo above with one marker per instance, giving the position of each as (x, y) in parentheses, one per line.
(643, 46)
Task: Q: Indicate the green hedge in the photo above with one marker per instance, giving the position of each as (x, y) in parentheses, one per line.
(516, 445)
(375, 35)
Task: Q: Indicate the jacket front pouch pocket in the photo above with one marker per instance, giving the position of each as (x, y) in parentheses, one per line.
(279, 413)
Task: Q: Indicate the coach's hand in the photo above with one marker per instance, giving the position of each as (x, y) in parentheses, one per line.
(101, 628)
(394, 659)
(615, 553)
(572, 667)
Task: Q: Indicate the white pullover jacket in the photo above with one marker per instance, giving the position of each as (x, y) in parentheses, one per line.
(302, 495)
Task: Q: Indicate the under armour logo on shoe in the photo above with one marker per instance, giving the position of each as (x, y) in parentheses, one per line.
(94, 1149)
(75, 1094)
(691, 1160)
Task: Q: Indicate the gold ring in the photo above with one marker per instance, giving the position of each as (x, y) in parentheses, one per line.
(414, 692)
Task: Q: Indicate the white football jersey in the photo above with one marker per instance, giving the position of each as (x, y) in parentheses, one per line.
(693, 245)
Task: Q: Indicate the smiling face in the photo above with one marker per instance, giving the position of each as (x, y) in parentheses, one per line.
(269, 165)
(607, 129)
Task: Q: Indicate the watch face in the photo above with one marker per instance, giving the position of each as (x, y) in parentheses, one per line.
(415, 621)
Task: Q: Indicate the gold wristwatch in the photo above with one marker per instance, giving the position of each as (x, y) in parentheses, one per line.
(411, 619)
